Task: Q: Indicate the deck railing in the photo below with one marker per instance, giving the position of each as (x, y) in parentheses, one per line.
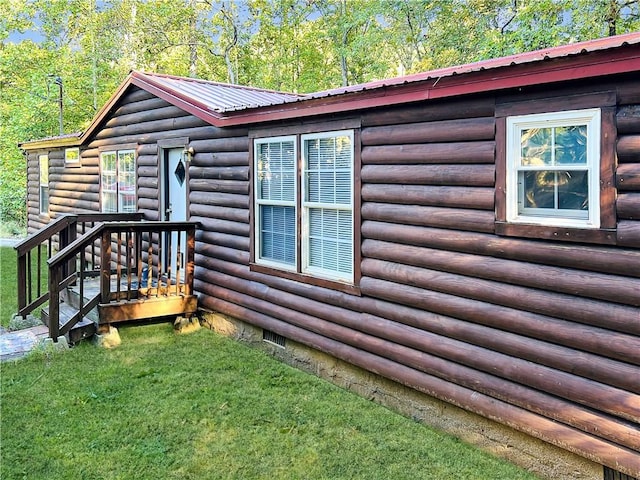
(133, 259)
(34, 251)
(138, 259)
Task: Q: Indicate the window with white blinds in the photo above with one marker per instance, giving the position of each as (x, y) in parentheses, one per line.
(327, 204)
(275, 195)
(305, 200)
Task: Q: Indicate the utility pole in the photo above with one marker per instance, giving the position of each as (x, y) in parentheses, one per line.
(58, 81)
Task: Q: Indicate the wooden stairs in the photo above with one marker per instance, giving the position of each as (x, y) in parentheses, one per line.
(119, 270)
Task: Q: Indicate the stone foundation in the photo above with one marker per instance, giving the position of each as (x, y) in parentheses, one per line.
(537, 456)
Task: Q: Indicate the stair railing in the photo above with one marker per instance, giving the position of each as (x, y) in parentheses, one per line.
(137, 259)
(34, 251)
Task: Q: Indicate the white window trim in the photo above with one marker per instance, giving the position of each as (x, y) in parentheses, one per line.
(41, 159)
(306, 206)
(117, 153)
(301, 265)
(515, 124)
(72, 161)
(258, 202)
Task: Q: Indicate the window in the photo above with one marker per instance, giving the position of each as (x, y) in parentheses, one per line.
(72, 156)
(304, 204)
(43, 167)
(553, 169)
(118, 181)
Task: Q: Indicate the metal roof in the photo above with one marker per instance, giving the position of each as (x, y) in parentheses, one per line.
(223, 104)
(214, 96)
(492, 64)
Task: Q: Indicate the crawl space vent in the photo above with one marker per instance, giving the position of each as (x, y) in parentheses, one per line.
(273, 338)
(611, 474)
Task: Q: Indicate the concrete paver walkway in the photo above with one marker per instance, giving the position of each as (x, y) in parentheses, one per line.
(16, 344)
(20, 342)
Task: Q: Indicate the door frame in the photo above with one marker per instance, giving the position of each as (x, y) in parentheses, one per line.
(164, 146)
(163, 150)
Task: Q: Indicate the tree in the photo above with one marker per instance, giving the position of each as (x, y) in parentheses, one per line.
(406, 25)
(599, 18)
(288, 45)
(355, 35)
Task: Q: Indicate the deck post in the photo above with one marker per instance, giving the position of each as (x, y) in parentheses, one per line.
(105, 267)
(22, 284)
(72, 235)
(190, 263)
(54, 302)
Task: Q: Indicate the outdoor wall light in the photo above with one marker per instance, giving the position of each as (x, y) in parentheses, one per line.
(187, 154)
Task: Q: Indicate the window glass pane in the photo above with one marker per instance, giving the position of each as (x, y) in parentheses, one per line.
(571, 145)
(44, 169)
(108, 162)
(72, 155)
(44, 199)
(327, 193)
(344, 152)
(343, 187)
(126, 182)
(313, 154)
(536, 145)
(539, 189)
(573, 192)
(108, 182)
(328, 170)
(276, 171)
(127, 197)
(565, 190)
(109, 203)
(277, 234)
(126, 162)
(330, 239)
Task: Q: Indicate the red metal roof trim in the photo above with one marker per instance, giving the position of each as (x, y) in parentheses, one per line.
(495, 63)
(557, 69)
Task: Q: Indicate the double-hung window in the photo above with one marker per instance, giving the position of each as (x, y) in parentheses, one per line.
(304, 204)
(43, 169)
(553, 169)
(118, 181)
(276, 206)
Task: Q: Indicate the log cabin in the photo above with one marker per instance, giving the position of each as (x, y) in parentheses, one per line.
(471, 234)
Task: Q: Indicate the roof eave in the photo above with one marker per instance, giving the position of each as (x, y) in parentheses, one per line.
(578, 67)
(51, 142)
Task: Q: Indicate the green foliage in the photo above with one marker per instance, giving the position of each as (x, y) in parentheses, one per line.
(290, 45)
(9, 283)
(198, 406)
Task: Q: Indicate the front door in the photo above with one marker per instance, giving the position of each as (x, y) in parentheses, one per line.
(174, 179)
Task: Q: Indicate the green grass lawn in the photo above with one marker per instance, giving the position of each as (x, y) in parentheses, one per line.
(201, 406)
(9, 285)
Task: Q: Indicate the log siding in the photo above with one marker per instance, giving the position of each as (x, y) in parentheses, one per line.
(538, 334)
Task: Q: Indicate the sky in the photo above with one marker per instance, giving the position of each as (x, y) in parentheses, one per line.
(17, 37)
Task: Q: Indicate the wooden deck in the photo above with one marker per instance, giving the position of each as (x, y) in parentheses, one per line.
(131, 302)
(93, 278)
